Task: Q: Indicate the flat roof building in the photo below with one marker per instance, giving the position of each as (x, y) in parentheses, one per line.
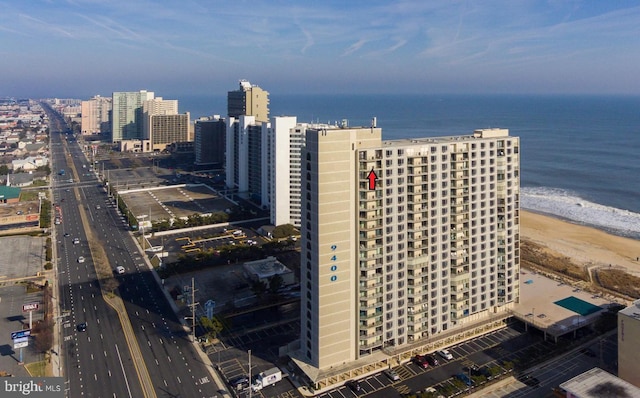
(248, 100)
(628, 341)
(596, 383)
(403, 240)
(127, 115)
(95, 115)
(210, 139)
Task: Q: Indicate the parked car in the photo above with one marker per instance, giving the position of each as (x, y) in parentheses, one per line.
(421, 361)
(239, 383)
(391, 374)
(354, 385)
(476, 370)
(432, 360)
(445, 354)
(465, 379)
(530, 381)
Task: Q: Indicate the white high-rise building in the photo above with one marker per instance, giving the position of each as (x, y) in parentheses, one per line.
(239, 134)
(403, 240)
(285, 139)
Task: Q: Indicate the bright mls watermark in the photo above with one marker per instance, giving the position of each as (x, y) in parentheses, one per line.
(42, 387)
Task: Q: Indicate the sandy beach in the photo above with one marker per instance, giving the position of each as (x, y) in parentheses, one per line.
(584, 245)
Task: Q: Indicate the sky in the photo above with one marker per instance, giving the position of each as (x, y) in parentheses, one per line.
(81, 48)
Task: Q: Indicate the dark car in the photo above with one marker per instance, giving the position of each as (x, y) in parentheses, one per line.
(421, 361)
(530, 381)
(354, 385)
(66, 234)
(433, 361)
(82, 327)
(239, 383)
(476, 370)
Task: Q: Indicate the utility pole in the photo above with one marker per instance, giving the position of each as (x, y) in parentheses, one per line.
(193, 309)
(249, 373)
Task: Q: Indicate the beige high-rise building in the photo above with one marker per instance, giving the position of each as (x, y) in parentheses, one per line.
(161, 124)
(165, 130)
(403, 240)
(95, 115)
(628, 340)
(249, 100)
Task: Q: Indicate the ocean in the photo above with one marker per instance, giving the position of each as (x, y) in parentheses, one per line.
(579, 154)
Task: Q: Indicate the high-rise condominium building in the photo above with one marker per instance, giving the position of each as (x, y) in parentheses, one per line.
(127, 116)
(245, 156)
(628, 340)
(210, 138)
(282, 179)
(248, 100)
(162, 125)
(96, 115)
(153, 107)
(168, 129)
(403, 240)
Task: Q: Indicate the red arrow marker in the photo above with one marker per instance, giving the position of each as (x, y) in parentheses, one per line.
(372, 179)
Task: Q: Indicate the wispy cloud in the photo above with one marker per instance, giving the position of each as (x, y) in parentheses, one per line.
(41, 25)
(450, 36)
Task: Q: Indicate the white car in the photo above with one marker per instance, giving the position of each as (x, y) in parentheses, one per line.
(81, 259)
(120, 269)
(76, 241)
(391, 374)
(445, 354)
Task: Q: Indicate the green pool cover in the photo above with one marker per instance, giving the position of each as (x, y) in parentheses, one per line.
(578, 306)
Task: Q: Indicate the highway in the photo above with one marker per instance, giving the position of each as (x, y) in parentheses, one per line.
(134, 344)
(96, 361)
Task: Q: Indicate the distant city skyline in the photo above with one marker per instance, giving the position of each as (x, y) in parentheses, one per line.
(87, 47)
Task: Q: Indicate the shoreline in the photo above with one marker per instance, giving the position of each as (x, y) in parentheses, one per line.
(585, 245)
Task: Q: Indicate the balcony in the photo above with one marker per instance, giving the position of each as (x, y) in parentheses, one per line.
(364, 305)
(460, 192)
(370, 345)
(368, 334)
(371, 276)
(370, 294)
(457, 289)
(370, 285)
(460, 298)
(462, 277)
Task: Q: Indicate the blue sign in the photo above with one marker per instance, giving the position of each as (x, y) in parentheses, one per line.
(20, 334)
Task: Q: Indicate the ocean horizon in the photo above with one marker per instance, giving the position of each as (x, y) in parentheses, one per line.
(579, 159)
